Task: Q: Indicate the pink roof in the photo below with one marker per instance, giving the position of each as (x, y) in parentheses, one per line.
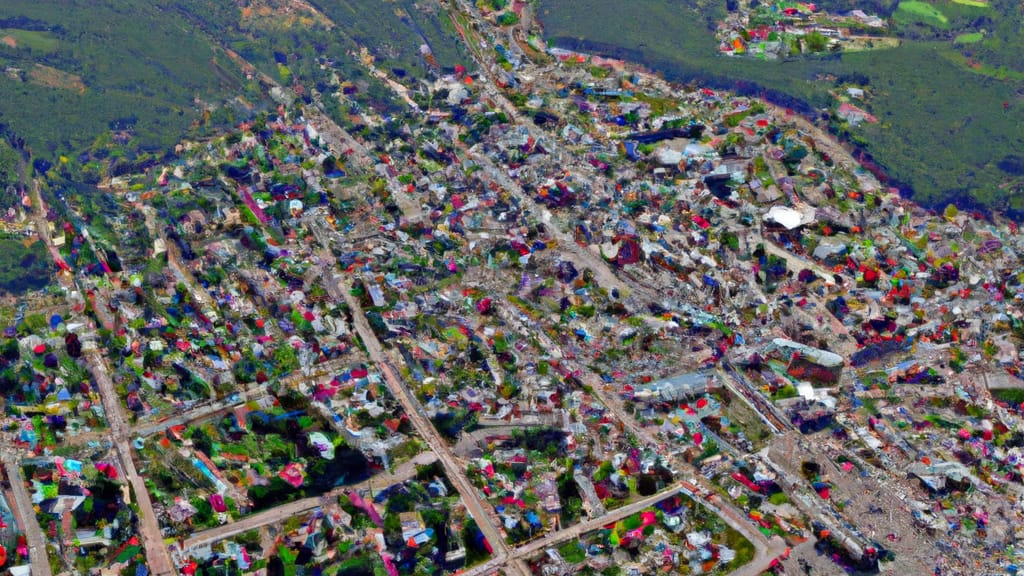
(292, 474)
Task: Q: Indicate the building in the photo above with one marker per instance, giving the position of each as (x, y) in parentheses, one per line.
(806, 363)
(676, 388)
(412, 524)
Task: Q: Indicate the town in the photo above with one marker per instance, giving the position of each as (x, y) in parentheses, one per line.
(774, 30)
(559, 317)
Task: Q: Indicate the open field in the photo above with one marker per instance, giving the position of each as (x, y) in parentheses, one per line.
(34, 40)
(50, 77)
(917, 11)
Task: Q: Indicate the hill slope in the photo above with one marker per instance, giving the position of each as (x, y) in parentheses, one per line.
(948, 132)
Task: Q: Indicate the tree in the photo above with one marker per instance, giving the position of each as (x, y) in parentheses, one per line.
(647, 484)
(392, 525)
(10, 350)
(572, 508)
(816, 42)
(603, 471)
(204, 511)
(201, 440)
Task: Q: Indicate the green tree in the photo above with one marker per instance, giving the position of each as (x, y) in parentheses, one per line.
(204, 511)
(816, 42)
(285, 359)
(392, 525)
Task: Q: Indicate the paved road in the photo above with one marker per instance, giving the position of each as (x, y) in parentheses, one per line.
(453, 469)
(156, 553)
(752, 396)
(157, 556)
(554, 538)
(208, 410)
(43, 229)
(26, 512)
(283, 512)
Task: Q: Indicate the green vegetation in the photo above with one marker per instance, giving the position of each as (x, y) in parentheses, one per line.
(10, 163)
(34, 40)
(911, 11)
(787, 391)
(1009, 395)
(948, 123)
(744, 549)
(23, 268)
(91, 67)
(572, 552)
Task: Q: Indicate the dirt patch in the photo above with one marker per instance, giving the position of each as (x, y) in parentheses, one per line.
(54, 78)
(275, 14)
(10, 41)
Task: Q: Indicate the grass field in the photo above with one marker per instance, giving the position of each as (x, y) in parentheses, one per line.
(36, 41)
(910, 11)
(974, 3)
(969, 38)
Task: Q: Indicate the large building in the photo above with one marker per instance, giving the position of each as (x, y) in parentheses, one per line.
(674, 389)
(816, 366)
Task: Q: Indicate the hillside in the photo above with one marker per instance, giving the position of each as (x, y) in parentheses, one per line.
(93, 88)
(949, 123)
(74, 70)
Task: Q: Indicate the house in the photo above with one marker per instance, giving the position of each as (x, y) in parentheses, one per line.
(515, 458)
(293, 474)
(181, 510)
(812, 418)
(194, 222)
(412, 524)
(855, 115)
(941, 477)
(232, 218)
(547, 493)
(69, 498)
